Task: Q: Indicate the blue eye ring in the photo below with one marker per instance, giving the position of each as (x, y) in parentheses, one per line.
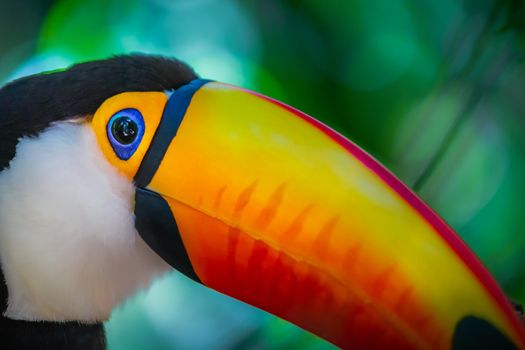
(125, 130)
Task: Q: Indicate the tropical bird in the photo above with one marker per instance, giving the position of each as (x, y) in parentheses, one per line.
(114, 172)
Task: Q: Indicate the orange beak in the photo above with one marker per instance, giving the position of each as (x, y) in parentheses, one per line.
(277, 210)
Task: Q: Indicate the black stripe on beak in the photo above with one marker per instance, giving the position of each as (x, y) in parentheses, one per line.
(158, 228)
(169, 125)
(154, 220)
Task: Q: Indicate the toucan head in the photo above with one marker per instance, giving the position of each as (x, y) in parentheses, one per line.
(114, 172)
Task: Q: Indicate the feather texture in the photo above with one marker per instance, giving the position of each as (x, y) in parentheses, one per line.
(68, 244)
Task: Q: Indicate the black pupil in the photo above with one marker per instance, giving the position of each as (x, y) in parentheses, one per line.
(124, 130)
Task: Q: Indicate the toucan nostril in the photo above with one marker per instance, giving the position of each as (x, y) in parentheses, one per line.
(474, 333)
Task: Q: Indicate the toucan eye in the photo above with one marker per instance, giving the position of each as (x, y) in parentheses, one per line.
(125, 130)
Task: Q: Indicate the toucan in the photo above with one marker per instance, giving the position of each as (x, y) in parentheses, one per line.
(117, 171)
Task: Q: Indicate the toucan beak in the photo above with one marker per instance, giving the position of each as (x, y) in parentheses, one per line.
(261, 202)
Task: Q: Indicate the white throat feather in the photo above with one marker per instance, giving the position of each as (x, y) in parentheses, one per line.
(68, 245)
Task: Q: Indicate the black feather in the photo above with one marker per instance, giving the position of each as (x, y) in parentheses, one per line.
(21, 335)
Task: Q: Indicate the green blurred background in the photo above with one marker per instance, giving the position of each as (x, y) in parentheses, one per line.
(434, 89)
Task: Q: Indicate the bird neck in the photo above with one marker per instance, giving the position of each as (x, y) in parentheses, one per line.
(20, 334)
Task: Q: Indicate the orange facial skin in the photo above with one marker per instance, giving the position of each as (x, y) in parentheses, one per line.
(279, 211)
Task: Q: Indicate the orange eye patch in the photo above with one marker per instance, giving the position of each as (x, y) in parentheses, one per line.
(150, 105)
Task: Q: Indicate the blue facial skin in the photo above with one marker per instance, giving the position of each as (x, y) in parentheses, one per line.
(125, 130)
